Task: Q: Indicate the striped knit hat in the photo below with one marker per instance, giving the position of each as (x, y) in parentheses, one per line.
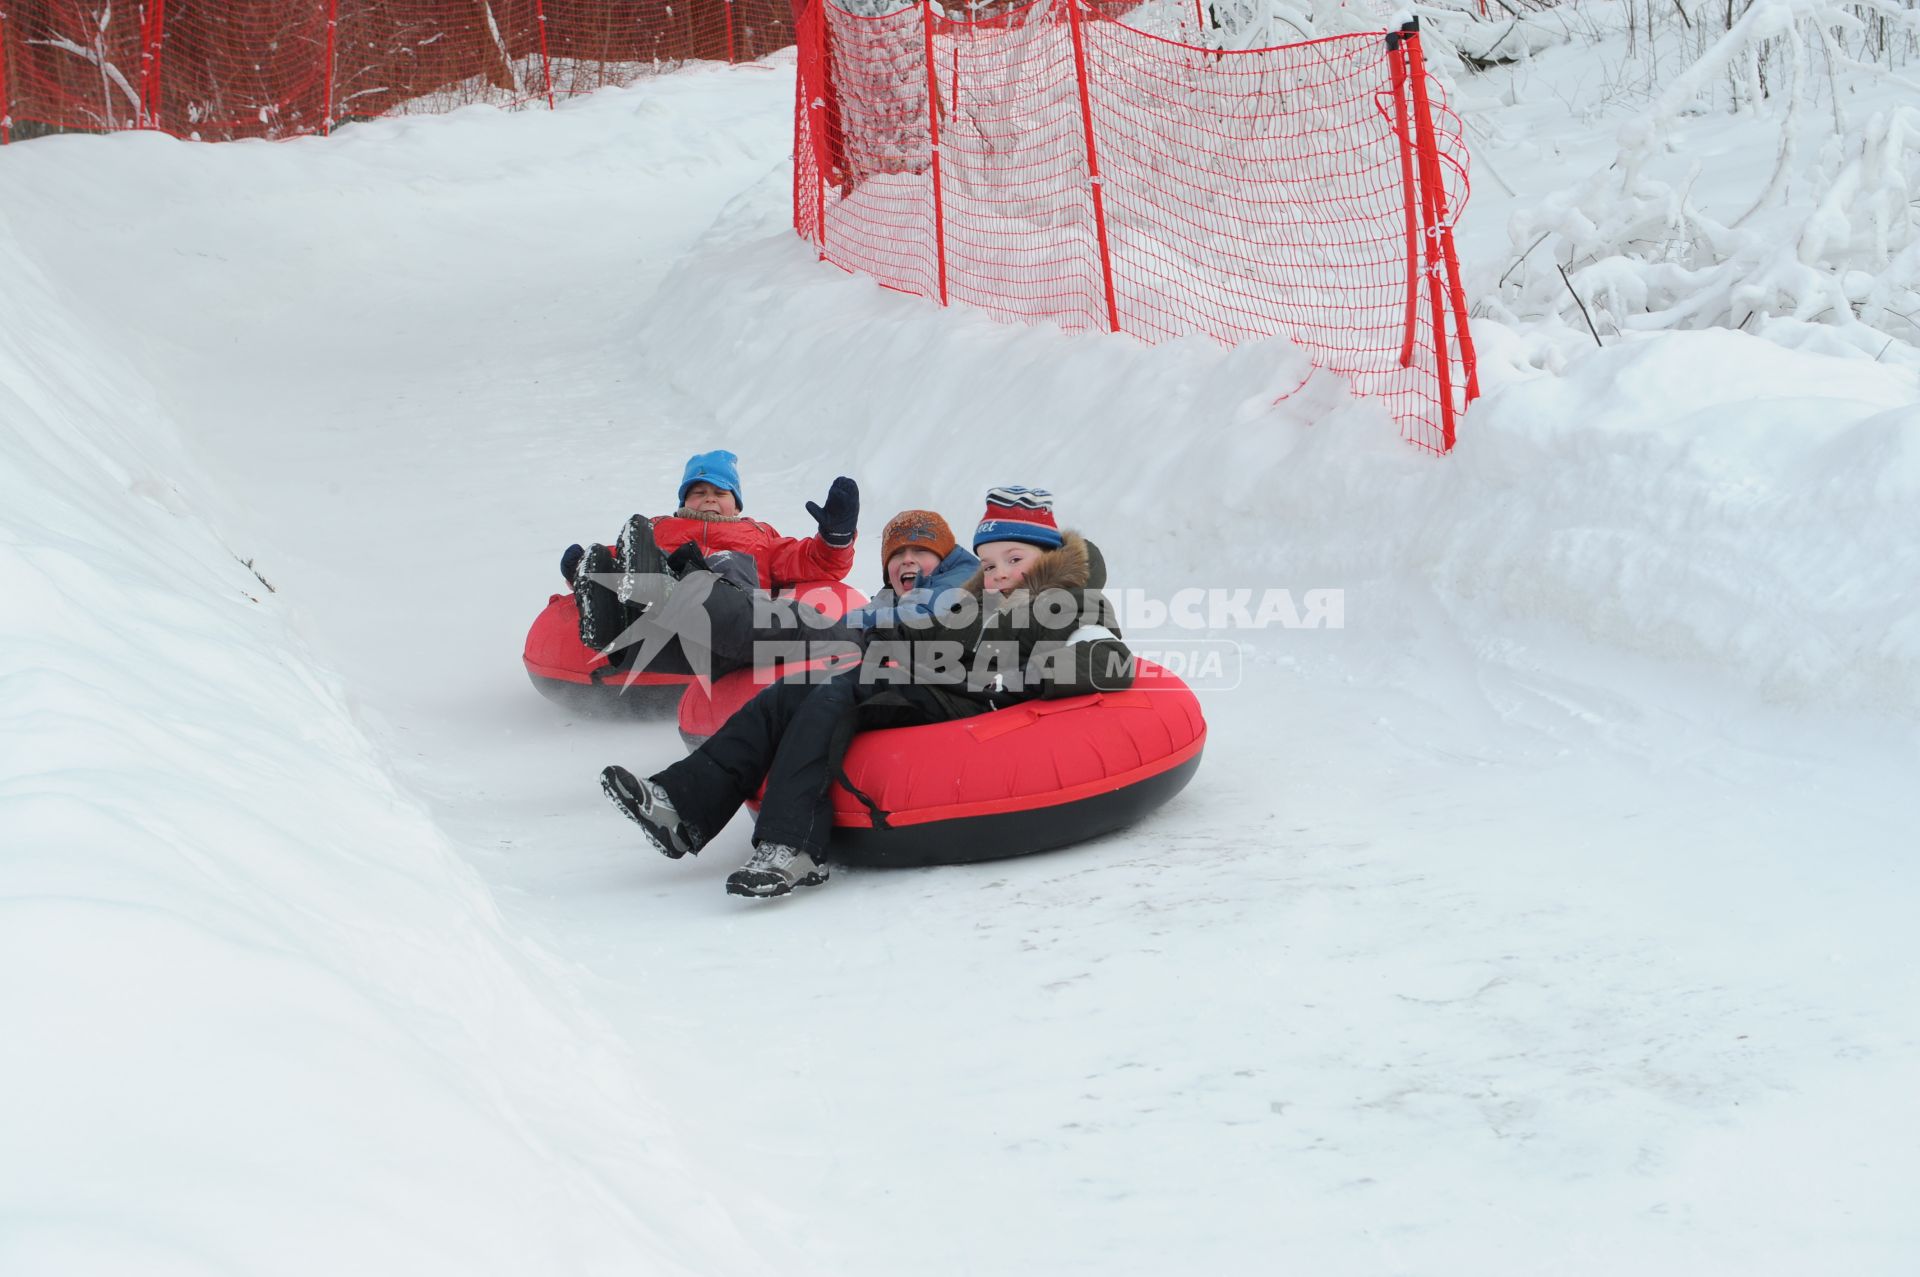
(1018, 514)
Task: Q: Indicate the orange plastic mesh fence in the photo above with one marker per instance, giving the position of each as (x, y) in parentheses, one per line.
(1044, 161)
(220, 69)
(1052, 163)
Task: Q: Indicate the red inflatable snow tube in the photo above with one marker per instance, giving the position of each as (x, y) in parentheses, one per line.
(1032, 777)
(570, 673)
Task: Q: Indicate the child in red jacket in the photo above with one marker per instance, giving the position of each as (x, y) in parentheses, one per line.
(707, 530)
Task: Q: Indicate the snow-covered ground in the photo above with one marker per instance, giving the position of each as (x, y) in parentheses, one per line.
(1551, 914)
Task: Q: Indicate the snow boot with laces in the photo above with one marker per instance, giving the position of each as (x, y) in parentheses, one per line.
(646, 804)
(775, 870)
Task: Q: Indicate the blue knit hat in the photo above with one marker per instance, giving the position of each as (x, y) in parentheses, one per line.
(1019, 514)
(719, 467)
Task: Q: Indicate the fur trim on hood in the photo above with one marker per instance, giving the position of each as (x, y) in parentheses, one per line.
(704, 517)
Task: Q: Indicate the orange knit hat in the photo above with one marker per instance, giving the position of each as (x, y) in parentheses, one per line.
(921, 528)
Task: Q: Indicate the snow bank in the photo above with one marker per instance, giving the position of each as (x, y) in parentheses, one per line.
(1438, 966)
(260, 1018)
(1705, 498)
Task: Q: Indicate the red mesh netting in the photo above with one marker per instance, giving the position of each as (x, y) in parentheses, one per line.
(1054, 164)
(218, 69)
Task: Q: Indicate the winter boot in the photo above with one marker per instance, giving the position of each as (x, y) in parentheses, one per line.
(646, 804)
(644, 580)
(775, 870)
(602, 618)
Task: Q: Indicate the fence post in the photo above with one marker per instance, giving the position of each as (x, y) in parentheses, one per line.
(159, 60)
(799, 115)
(1455, 288)
(546, 64)
(1436, 300)
(1440, 247)
(1093, 161)
(146, 63)
(933, 134)
(730, 53)
(1397, 62)
(814, 73)
(152, 31)
(333, 20)
(6, 103)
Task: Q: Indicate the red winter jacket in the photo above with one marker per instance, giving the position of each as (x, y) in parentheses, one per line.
(782, 561)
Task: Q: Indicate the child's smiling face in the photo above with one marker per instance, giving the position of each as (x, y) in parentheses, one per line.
(914, 559)
(1004, 563)
(704, 498)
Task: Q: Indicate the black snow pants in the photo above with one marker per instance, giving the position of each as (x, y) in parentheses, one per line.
(712, 624)
(793, 736)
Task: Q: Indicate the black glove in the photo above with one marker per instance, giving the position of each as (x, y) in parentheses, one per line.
(570, 560)
(841, 515)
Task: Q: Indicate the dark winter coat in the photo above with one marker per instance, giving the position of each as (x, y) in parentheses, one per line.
(1054, 635)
